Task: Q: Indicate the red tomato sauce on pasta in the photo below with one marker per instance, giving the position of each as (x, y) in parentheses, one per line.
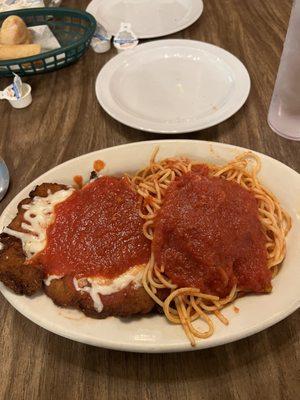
(208, 235)
(97, 231)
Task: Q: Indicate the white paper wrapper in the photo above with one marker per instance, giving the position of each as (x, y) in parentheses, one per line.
(9, 5)
(43, 35)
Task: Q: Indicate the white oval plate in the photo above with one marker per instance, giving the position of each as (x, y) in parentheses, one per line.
(173, 86)
(148, 18)
(154, 333)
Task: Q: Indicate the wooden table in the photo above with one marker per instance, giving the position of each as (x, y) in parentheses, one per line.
(65, 121)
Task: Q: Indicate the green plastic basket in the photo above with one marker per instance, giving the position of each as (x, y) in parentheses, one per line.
(72, 28)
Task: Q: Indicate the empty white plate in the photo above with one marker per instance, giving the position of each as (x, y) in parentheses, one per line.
(149, 18)
(173, 86)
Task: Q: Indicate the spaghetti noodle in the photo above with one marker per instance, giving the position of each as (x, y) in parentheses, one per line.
(184, 305)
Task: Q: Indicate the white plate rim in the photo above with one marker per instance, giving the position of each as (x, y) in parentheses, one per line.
(12, 298)
(103, 94)
(197, 4)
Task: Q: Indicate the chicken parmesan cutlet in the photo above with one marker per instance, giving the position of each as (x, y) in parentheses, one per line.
(84, 247)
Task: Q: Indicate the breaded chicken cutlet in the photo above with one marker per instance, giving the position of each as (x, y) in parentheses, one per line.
(30, 263)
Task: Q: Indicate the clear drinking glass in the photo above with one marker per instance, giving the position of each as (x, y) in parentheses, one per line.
(284, 112)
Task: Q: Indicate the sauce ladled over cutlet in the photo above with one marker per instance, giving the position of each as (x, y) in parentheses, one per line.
(97, 231)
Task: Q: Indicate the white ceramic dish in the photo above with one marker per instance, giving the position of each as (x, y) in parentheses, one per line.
(148, 18)
(154, 333)
(173, 86)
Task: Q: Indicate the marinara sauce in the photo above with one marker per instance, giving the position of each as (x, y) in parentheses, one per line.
(208, 235)
(97, 231)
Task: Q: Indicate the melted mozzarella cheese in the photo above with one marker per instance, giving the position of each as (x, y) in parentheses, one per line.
(38, 215)
(97, 286)
(51, 278)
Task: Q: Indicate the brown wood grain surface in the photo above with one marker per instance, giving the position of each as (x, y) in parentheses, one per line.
(65, 121)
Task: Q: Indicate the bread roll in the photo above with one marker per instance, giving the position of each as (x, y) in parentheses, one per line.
(14, 31)
(9, 52)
